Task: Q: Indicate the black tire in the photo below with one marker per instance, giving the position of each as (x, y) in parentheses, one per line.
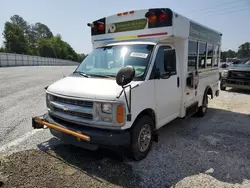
(142, 123)
(202, 110)
(222, 88)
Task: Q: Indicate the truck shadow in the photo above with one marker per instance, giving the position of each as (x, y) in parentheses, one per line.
(217, 145)
(242, 91)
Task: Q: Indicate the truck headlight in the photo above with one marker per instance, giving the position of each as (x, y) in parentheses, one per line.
(112, 113)
(107, 108)
(224, 73)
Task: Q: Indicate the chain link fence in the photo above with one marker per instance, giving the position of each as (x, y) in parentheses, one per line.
(11, 60)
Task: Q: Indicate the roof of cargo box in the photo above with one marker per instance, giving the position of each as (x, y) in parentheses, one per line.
(152, 25)
(133, 25)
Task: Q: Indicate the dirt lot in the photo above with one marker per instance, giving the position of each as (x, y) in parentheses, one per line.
(213, 151)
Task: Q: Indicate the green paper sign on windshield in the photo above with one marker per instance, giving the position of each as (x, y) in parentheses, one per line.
(128, 26)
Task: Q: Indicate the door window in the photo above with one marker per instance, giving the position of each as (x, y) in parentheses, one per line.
(165, 61)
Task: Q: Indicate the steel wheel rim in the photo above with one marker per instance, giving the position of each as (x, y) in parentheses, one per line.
(144, 138)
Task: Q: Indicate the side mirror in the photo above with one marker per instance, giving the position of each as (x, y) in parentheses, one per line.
(125, 75)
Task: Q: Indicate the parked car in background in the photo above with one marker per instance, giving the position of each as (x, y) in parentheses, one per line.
(248, 62)
(236, 75)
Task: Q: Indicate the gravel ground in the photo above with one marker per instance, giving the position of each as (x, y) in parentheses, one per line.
(213, 151)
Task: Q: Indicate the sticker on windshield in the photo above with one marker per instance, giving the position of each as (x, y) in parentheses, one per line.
(141, 55)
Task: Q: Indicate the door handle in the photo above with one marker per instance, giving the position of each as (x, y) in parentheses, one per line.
(178, 81)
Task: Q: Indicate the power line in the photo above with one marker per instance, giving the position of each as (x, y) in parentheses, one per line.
(231, 11)
(241, 6)
(217, 5)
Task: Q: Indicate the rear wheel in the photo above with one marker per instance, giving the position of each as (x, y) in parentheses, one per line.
(141, 138)
(202, 110)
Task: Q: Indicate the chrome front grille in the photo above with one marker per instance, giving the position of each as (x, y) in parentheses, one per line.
(77, 114)
(73, 101)
(240, 74)
(71, 109)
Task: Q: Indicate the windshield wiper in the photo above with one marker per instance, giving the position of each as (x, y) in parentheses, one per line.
(82, 73)
(103, 75)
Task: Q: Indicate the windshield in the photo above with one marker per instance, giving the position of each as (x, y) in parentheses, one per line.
(107, 61)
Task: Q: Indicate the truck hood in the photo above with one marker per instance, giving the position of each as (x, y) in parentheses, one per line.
(81, 87)
(239, 68)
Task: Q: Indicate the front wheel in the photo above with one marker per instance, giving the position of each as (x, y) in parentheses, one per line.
(141, 138)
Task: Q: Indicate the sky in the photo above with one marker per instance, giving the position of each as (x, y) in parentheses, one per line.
(70, 18)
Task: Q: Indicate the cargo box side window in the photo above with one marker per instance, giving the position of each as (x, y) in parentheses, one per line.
(209, 60)
(202, 55)
(216, 56)
(192, 55)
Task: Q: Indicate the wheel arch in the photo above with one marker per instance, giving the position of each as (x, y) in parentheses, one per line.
(148, 111)
(151, 113)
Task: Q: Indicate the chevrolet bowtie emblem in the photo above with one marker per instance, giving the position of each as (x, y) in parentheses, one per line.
(65, 108)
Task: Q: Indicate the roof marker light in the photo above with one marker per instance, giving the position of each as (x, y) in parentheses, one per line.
(151, 17)
(162, 17)
(125, 13)
(100, 26)
(131, 12)
(119, 14)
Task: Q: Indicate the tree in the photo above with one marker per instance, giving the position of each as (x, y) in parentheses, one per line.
(32, 39)
(42, 31)
(36, 39)
(15, 39)
(57, 48)
(2, 49)
(80, 57)
(244, 50)
(35, 33)
(20, 22)
(45, 48)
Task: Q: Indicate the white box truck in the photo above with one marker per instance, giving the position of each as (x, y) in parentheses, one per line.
(147, 68)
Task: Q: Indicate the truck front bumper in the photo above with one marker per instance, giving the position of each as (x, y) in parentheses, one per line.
(235, 83)
(80, 135)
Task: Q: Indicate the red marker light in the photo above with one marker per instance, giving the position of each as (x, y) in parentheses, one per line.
(162, 17)
(101, 26)
(152, 19)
